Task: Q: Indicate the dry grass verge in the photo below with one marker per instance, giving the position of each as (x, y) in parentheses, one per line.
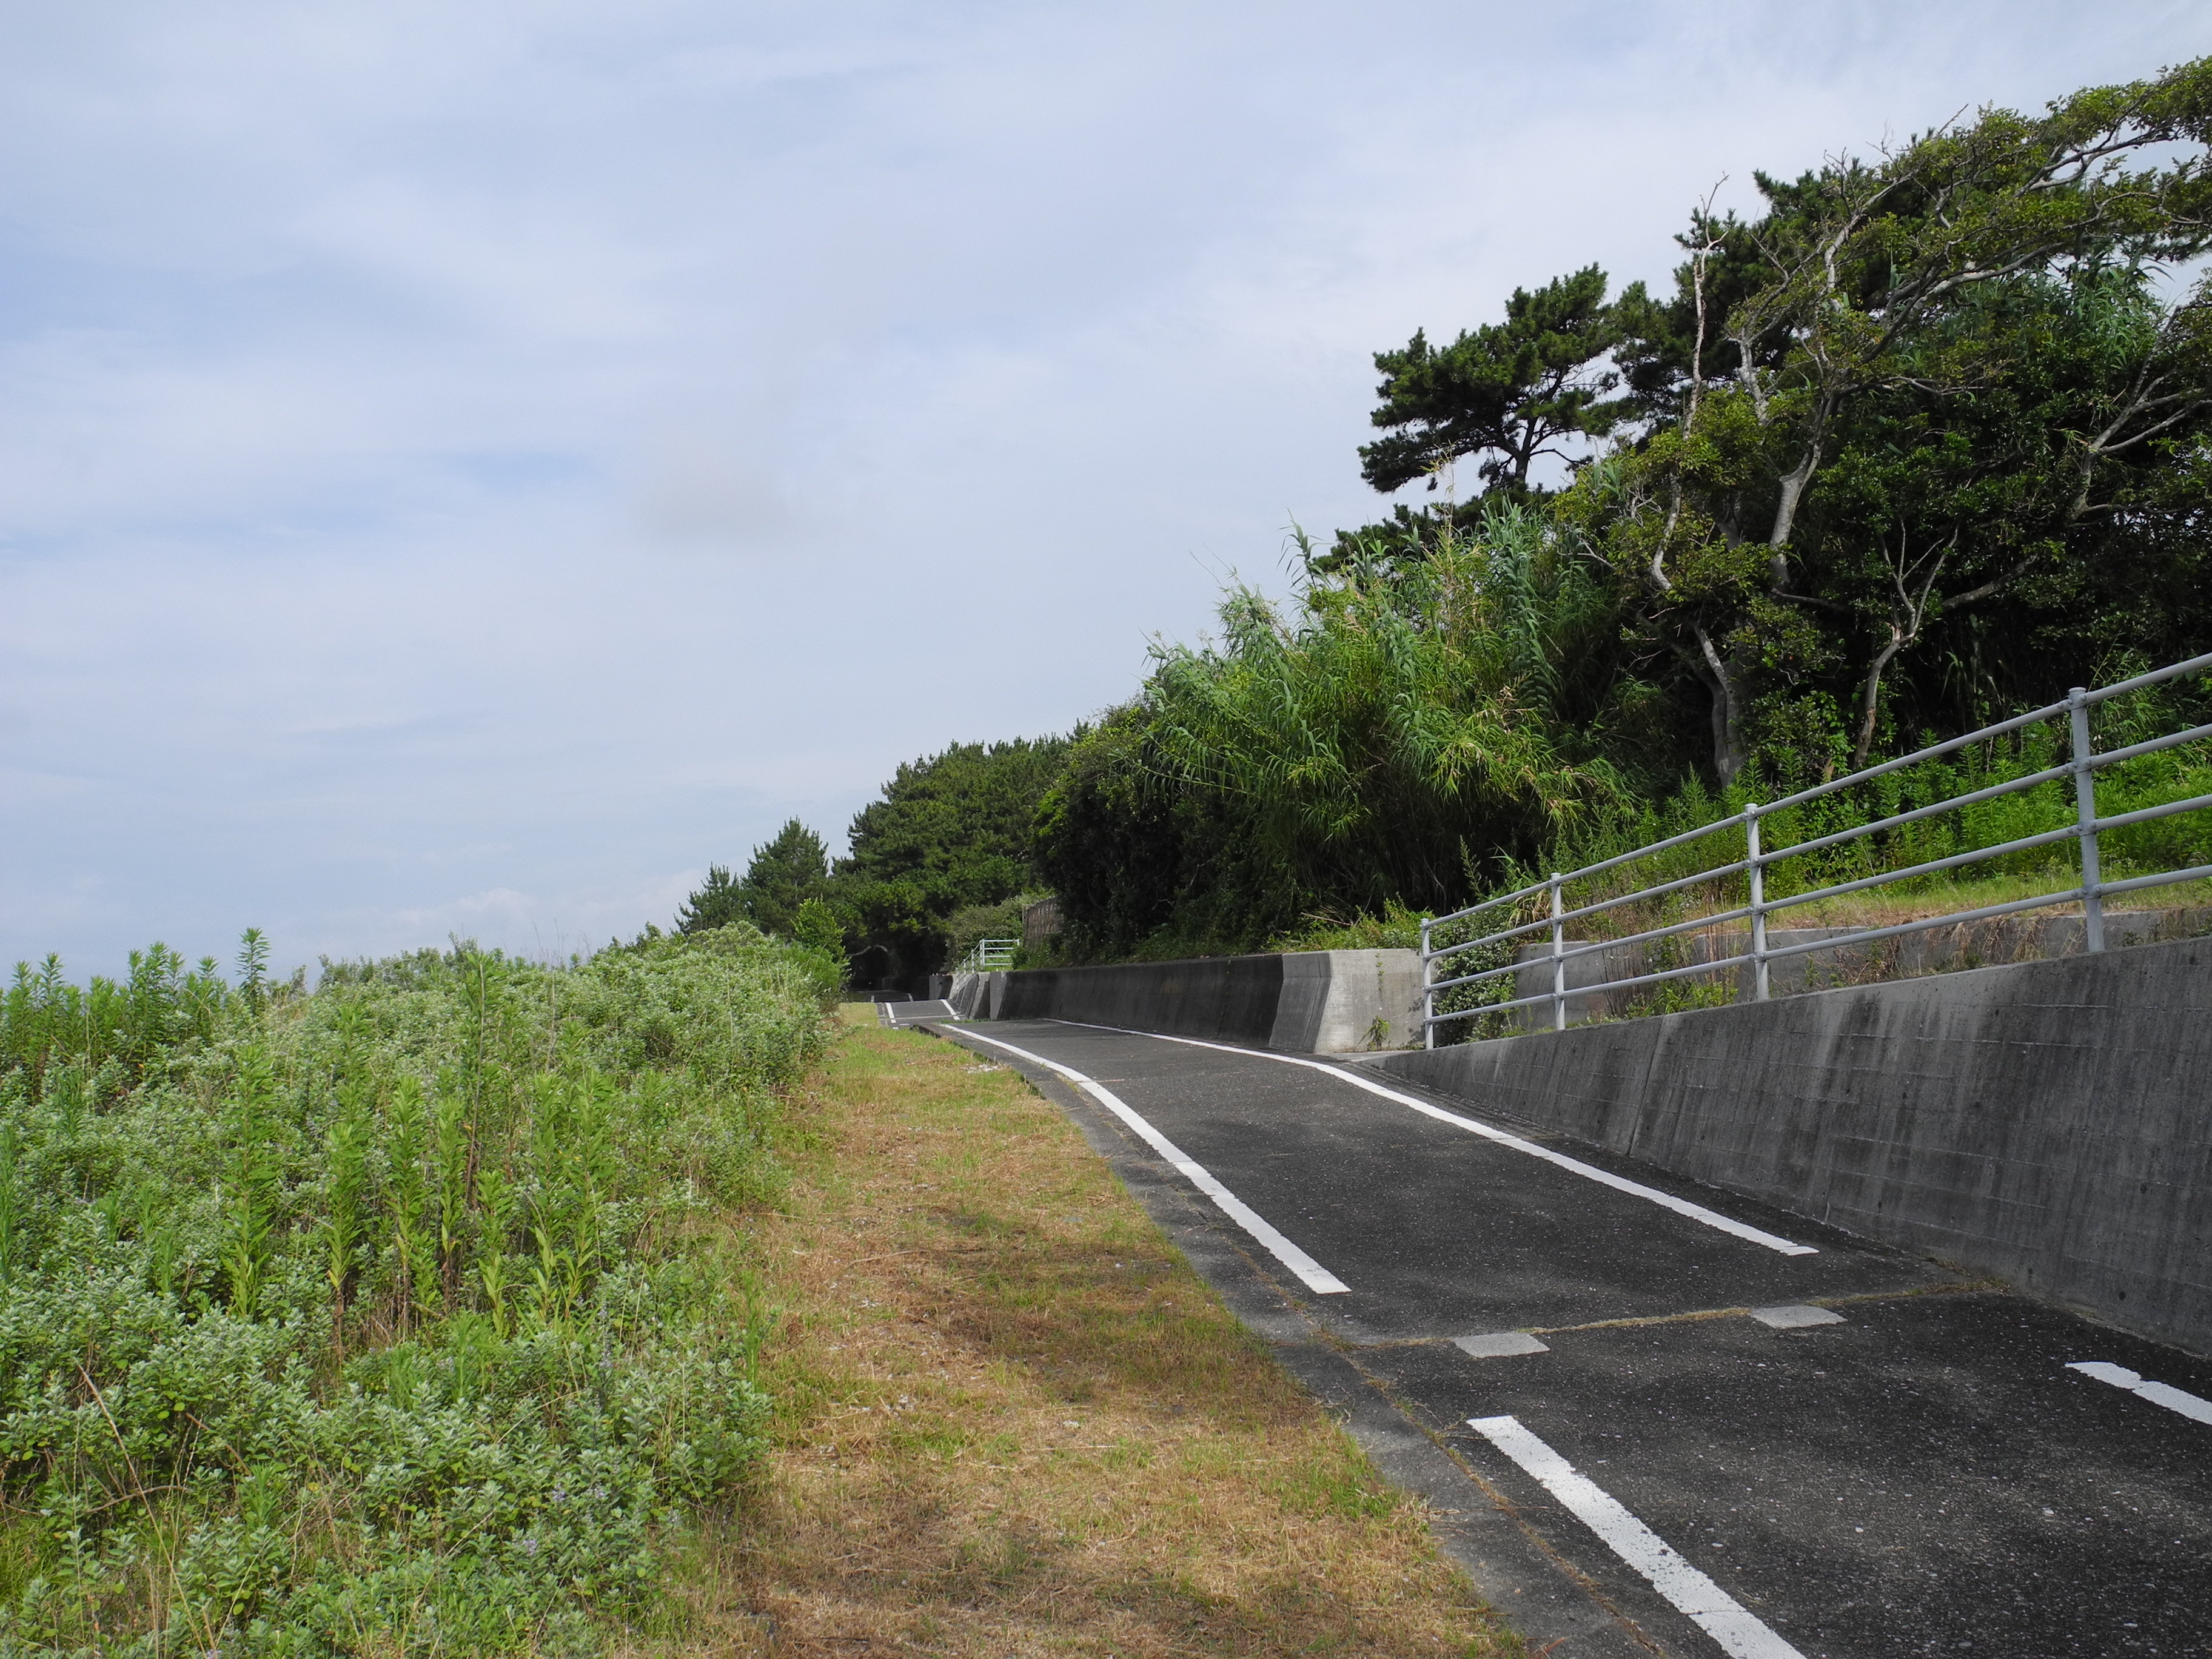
(1015, 1422)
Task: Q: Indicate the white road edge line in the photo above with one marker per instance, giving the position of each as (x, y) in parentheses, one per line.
(1317, 1278)
(1740, 1633)
(2190, 1406)
(1680, 1207)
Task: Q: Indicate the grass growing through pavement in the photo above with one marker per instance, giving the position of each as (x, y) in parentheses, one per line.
(1012, 1421)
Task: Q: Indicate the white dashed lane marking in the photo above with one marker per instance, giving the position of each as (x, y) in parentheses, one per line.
(2159, 1393)
(1499, 1344)
(1795, 1316)
(1740, 1632)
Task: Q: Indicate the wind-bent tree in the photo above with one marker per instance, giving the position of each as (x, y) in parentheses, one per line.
(1508, 391)
(1845, 290)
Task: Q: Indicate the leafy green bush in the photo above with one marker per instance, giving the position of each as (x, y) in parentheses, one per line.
(391, 1318)
(971, 925)
(816, 927)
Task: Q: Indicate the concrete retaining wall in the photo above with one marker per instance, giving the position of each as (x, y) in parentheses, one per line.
(2047, 1122)
(1299, 1002)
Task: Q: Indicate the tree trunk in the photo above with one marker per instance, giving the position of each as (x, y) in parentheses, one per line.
(1870, 698)
(1728, 722)
(1794, 485)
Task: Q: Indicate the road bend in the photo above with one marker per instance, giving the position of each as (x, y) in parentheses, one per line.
(1733, 1430)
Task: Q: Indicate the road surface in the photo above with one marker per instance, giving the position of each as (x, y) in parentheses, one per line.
(1656, 1417)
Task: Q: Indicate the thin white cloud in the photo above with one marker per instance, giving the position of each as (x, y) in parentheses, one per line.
(469, 469)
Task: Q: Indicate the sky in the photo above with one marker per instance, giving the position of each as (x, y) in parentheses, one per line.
(465, 468)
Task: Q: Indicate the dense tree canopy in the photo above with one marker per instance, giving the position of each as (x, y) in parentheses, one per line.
(783, 875)
(1914, 385)
(1925, 437)
(1509, 393)
(950, 830)
(1925, 440)
(716, 904)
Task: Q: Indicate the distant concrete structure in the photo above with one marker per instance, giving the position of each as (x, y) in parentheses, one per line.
(1302, 1002)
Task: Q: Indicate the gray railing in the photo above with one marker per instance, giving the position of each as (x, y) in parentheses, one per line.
(2089, 891)
(989, 956)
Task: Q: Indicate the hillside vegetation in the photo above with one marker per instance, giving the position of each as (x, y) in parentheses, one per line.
(1919, 445)
(406, 1316)
(1921, 441)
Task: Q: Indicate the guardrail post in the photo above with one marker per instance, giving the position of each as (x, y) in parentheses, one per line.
(1759, 987)
(2085, 817)
(1558, 959)
(1428, 997)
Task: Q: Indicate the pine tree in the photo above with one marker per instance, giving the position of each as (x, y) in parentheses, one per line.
(715, 905)
(783, 875)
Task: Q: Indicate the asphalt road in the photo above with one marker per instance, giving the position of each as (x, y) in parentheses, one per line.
(913, 1013)
(1658, 1418)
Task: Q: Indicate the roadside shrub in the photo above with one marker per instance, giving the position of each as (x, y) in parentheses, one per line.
(388, 1319)
(966, 928)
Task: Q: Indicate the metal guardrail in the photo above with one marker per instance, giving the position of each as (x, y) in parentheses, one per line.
(2089, 891)
(989, 956)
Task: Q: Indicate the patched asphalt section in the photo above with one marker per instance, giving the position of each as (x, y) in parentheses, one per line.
(1891, 1461)
(1552, 1605)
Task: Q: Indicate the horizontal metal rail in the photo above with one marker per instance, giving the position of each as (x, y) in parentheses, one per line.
(989, 956)
(1805, 947)
(2024, 843)
(2081, 765)
(1660, 892)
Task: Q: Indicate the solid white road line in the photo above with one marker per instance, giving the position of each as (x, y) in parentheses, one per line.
(1720, 1615)
(1681, 1206)
(2159, 1393)
(1317, 1278)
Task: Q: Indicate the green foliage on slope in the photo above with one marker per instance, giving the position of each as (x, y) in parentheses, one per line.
(1395, 737)
(951, 830)
(1922, 443)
